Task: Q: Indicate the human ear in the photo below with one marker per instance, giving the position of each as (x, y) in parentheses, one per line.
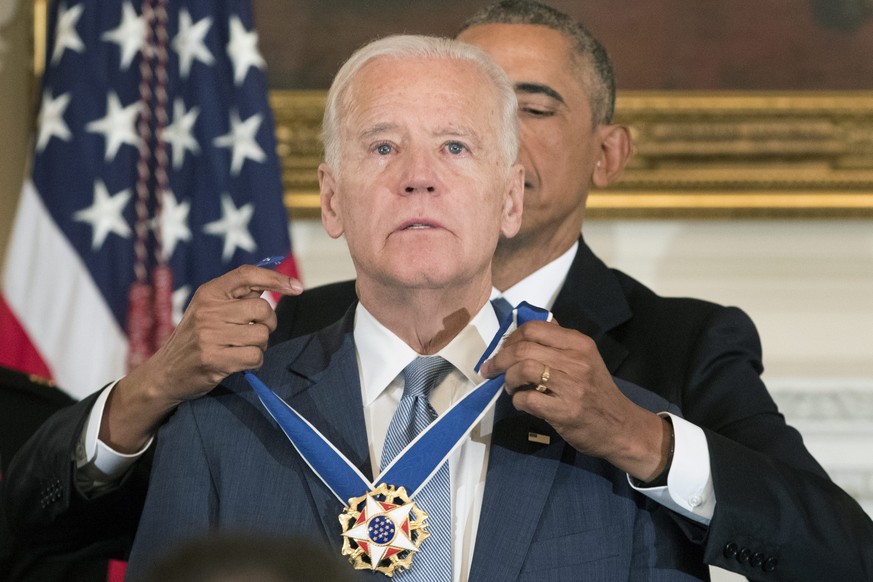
(513, 202)
(616, 150)
(331, 217)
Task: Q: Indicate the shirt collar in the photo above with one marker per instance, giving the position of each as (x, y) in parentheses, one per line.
(382, 355)
(541, 287)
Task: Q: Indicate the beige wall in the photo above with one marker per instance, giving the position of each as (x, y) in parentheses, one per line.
(16, 97)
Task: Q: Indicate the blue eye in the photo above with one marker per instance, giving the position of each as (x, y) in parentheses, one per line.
(456, 148)
(383, 149)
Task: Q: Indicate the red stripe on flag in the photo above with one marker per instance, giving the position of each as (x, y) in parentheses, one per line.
(16, 349)
(287, 267)
(115, 571)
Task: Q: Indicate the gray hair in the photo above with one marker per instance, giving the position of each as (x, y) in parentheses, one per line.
(593, 61)
(410, 47)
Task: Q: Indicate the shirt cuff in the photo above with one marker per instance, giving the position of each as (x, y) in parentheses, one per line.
(689, 490)
(98, 464)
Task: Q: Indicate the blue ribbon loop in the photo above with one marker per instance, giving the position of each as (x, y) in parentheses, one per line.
(413, 467)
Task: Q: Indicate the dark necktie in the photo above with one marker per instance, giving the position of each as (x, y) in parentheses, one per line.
(502, 308)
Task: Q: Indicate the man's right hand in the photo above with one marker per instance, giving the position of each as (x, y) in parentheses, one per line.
(224, 330)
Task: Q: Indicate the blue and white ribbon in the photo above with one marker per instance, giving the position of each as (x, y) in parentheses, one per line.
(413, 467)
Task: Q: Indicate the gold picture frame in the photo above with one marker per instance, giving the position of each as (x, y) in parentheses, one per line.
(697, 154)
(713, 155)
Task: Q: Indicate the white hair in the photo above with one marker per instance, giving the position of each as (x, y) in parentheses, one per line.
(416, 47)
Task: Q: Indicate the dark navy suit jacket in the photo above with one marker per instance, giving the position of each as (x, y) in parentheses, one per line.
(548, 513)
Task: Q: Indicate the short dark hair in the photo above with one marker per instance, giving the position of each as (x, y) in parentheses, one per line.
(592, 57)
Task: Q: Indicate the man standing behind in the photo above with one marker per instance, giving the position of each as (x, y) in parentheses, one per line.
(769, 510)
(420, 177)
(741, 484)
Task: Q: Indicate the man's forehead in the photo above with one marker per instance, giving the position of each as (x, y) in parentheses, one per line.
(381, 97)
(444, 127)
(530, 54)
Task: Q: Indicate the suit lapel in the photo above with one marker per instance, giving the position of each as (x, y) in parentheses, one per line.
(323, 385)
(518, 483)
(593, 302)
(521, 472)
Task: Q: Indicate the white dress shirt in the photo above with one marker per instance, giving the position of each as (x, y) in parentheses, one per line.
(382, 356)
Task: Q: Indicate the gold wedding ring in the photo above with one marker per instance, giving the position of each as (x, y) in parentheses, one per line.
(541, 387)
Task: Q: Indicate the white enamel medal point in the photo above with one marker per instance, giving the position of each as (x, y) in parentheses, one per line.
(382, 530)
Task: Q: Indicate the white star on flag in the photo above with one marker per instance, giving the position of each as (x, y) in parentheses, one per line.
(180, 299)
(124, 176)
(118, 126)
(105, 214)
(361, 532)
(233, 226)
(129, 35)
(174, 223)
(51, 120)
(66, 36)
(188, 42)
(241, 138)
(243, 50)
(179, 133)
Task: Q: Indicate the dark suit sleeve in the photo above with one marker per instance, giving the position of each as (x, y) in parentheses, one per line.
(181, 498)
(49, 516)
(47, 513)
(778, 516)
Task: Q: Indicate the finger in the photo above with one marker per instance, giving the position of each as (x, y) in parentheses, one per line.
(252, 334)
(517, 352)
(542, 332)
(247, 281)
(237, 312)
(527, 375)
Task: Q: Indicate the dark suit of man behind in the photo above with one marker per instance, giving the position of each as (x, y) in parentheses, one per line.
(772, 495)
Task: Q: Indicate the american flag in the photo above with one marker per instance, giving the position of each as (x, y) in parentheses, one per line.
(154, 155)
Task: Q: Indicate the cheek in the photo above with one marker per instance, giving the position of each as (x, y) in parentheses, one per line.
(542, 145)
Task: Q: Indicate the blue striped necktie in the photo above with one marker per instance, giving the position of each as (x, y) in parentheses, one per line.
(433, 561)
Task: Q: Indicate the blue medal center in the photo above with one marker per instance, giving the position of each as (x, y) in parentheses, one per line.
(381, 530)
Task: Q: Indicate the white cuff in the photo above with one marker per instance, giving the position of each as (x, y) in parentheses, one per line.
(97, 464)
(689, 490)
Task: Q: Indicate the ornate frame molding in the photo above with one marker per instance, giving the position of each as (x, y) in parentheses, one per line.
(720, 154)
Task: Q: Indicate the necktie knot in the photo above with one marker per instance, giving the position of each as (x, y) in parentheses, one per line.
(423, 374)
(414, 411)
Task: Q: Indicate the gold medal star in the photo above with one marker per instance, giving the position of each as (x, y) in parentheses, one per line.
(382, 530)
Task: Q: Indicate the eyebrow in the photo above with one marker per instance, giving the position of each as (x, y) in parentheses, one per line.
(539, 88)
(377, 129)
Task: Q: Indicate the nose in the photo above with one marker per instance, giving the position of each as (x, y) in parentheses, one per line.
(419, 173)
